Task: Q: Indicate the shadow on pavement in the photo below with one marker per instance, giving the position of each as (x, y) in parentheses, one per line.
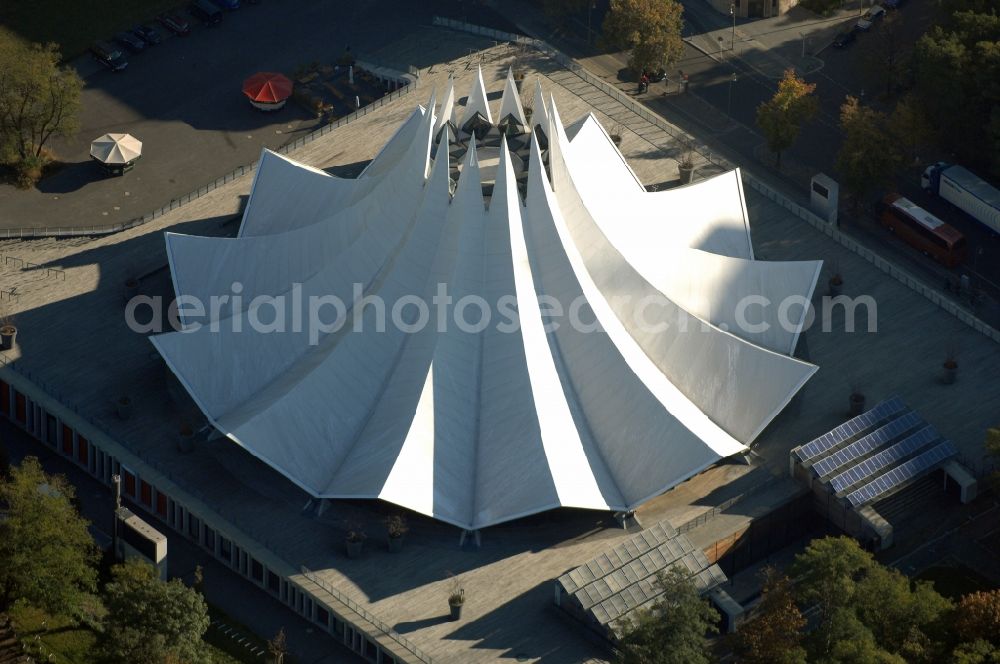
(72, 177)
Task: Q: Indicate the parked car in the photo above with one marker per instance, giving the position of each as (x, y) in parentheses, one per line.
(657, 76)
(227, 4)
(844, 39)
(175, 22)
(108, 55)
(865, 22)
(132, 43)
(206, 12)
(148, 34)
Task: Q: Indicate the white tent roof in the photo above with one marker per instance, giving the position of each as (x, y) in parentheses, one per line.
(510, 102)
(479, 425)
(477, 101)
(116, 148)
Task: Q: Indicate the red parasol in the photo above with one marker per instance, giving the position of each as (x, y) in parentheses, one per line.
(267, 88)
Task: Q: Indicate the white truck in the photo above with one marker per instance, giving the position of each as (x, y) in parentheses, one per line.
(966, 191)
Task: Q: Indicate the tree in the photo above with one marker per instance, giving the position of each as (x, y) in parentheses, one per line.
(40, 99)
(774, 634)
(901, 617)
(278, 647)
(887, 58)
(979, 651)
(910, 127)
(649, 29)
(47, 556)
(977, 616)
(844, 639)
(673, 630)
(826, 573)
(781, 118)
(868, 157)
(150, 620)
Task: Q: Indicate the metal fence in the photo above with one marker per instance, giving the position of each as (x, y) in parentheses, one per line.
(239, 172)
(361, 611)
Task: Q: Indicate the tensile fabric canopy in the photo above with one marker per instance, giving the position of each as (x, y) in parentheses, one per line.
(267, 88)
(116, 149)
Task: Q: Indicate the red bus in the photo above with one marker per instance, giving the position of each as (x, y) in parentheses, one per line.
(922, 230)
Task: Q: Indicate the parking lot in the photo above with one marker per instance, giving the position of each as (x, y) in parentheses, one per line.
(182, 98)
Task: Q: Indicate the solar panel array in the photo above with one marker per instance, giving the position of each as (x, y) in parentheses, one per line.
(887, 457)
(624, 577)
(901, 474)
(851, 428)
(868, 444)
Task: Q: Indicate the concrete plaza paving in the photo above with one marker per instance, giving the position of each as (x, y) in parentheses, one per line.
(74, 345)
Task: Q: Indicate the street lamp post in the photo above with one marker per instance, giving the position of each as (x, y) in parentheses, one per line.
(732, 41)
(729, 102)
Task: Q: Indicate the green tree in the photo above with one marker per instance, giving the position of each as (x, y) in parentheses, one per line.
(910, 127)
(781, 118)
(826, 573)
(868, 157)
(278, 646)
(40, 99)
(673, 630)
(903, 619)
(844, 639)
(774, 634)
(47, 556)
(649, 29)
(979, 651)
(150, 620)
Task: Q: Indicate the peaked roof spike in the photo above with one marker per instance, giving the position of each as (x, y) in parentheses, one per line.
(477, 101)
(510, 103)
(540, 114)
(447, 107)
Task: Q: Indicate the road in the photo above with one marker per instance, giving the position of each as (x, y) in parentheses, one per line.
(721, 113)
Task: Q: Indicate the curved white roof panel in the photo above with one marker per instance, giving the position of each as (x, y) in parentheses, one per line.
(328, 370)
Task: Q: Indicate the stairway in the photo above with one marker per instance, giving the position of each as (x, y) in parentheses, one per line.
(919, 499)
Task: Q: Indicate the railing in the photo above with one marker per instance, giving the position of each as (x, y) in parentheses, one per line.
(889, 268)
(239, 172)
(705, 517)
(22, 264)
(361, 611)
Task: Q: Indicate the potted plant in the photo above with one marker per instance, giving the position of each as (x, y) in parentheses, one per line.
(456, 600)
(131, 288)
(185, 438)
(950, 367)
(123, 406)
(685, 166)
(355, 541)
(396, 525)
(616, 133)
(856, 402)
(835, 284)
(8, 333)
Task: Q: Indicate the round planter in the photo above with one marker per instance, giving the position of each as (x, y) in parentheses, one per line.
(950, 372)
(857, 404)
(8, 336)
(131, 289)
(616, 139)
(354, 548)
(395, 544)
(686, 173)
(124, 408)
(185, 442)
(456, 610)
